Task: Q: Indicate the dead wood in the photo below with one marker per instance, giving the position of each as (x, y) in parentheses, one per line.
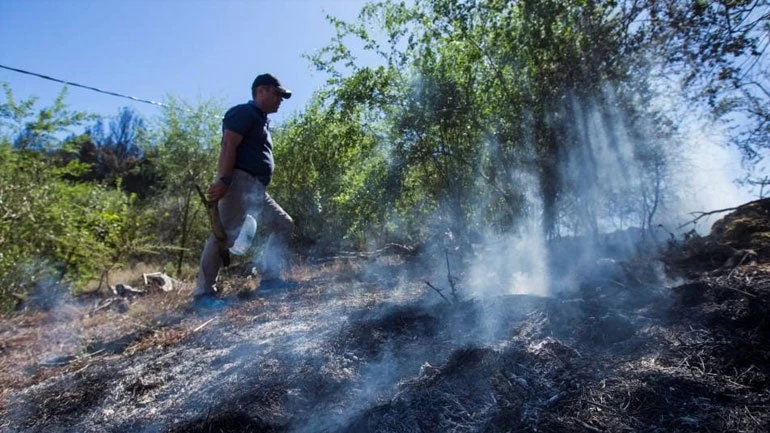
(212, 211)
(450, 277)
(437, 291)
(387, 249)
(203, 325)
(351, 353)
(699, 215)
(158, 281)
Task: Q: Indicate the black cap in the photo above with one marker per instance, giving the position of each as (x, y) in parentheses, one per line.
(270, 80)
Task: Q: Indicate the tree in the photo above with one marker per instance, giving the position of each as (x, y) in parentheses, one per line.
(56, 232)
(324, 162)
(43, 131)
(477, 98)
(114, 154)
(719, 50)
(183, 152)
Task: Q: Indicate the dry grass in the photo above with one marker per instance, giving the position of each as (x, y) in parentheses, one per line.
(161, 338)
(677, 372)
(31, 342)
(75, 327)
(131, 276)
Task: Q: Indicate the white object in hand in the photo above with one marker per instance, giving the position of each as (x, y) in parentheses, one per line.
(243, 242)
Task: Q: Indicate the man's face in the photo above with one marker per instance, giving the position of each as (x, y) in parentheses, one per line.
(269, 98)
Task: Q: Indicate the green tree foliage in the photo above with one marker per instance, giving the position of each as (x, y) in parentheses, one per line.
(439, 116)
(720, 49)
(48, 222)
(326, 167)
(114, 155)
(182, 152)
(476, 98)
(37, 131)
(57, 231)
(74, 207)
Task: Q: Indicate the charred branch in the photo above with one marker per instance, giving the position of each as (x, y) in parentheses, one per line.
(437, 291)
(450, 277)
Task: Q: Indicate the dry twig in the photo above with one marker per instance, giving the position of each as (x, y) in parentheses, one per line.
(588, 426)
(437, 291)
(449, 276)
(203, 325)
(705, 214)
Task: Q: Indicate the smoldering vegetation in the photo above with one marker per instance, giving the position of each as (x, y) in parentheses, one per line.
(551, 291)
(609, 323)
(600, 320)
(366, 346)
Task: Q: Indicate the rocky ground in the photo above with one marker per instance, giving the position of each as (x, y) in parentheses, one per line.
(366, 346)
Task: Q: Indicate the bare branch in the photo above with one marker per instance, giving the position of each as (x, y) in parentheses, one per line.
(449, 276)
(437, 291)
(705, 214)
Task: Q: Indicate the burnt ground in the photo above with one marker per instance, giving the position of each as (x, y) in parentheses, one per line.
(367, 346)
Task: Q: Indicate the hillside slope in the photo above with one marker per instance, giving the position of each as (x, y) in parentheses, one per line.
(367, 346)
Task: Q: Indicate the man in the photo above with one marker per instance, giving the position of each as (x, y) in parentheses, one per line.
(244, 171)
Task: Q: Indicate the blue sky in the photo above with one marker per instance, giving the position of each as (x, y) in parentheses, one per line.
(190, 49)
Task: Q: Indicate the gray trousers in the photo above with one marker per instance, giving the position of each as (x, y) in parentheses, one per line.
(247, 195)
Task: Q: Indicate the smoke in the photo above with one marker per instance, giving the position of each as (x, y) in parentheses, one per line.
(709, 176)
(705, 175)
(375, 382)
(621, 177)
(603, 168)
(605, 176)
(513, 263)
(628, 181)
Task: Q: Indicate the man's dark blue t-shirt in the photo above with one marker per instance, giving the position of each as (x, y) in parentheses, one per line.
(255, 153)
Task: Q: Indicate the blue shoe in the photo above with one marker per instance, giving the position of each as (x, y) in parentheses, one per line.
(275, 285)
(208, 302)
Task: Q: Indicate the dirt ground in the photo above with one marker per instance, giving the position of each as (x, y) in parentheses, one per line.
(367, 346)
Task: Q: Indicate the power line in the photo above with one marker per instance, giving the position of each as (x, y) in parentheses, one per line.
(69, 83)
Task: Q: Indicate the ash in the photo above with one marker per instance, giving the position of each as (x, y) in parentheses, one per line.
(366, 346)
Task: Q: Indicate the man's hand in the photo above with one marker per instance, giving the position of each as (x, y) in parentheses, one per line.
(216, 191)
(212, 210)
(230, 142)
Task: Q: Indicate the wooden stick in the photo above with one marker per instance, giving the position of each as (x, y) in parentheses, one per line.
(588, 426)
(738, 290)
(745, 255)
(704, 214)
(437, 291)
(449, 276)
(217, 229)
(204, 324)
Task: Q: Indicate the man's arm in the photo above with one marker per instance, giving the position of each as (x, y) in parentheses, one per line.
(230, 142)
